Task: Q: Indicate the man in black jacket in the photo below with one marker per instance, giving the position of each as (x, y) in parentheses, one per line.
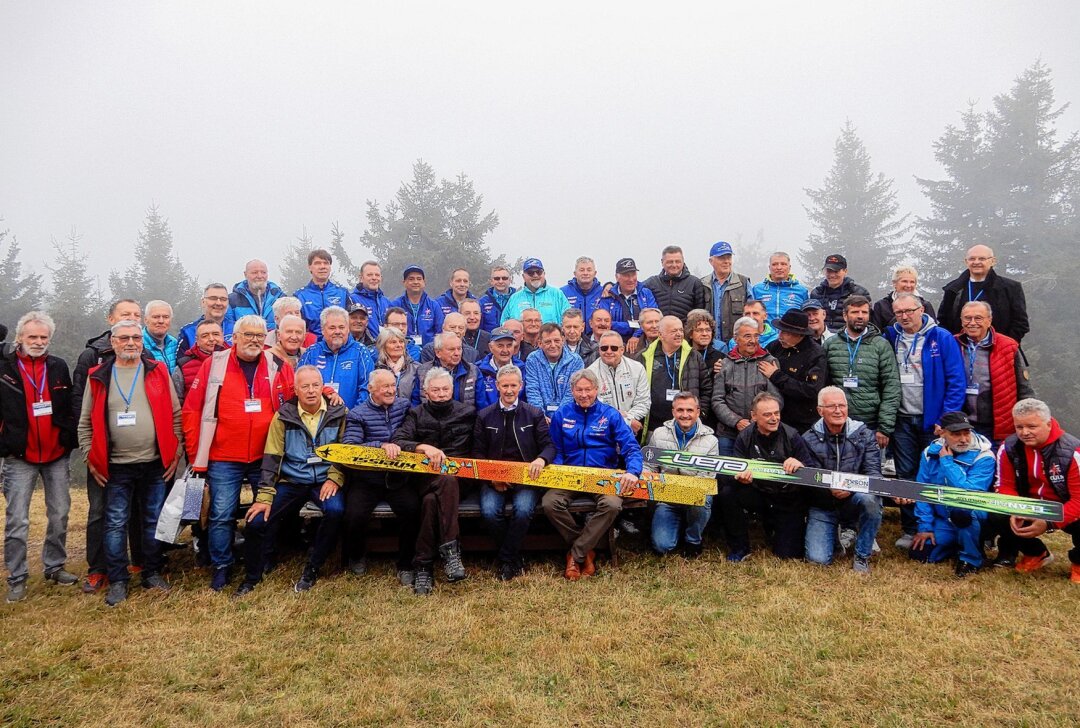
(98, 350)
(980, 282)
(37, 433)
(517, 431)
(677, 292)
(799, 369)
(440, 428)
(782, 505)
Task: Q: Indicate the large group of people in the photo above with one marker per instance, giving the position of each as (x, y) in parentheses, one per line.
(586, 374)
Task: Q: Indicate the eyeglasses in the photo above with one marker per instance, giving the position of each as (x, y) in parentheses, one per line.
(834, 407)
(610, 348)
(972, 319)
(978, 260)
(246, 336)
(127, 339)
(907, 311)
(500, 278)
(216, 299)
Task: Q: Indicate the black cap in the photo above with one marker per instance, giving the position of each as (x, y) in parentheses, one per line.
(835, 262)
(626, 265)
(358, 307)
(793, 321)
(955, 422)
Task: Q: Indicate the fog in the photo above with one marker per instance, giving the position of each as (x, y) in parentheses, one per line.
(613, 129)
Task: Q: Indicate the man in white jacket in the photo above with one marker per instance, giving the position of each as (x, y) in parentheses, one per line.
(685, 432)
(624, 384)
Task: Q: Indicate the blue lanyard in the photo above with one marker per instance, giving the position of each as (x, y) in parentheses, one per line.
(853, 353)
(972, 348)
(907, 354)
(671, 364)
(415, 315)
(131, 392)
(39, 388)
(630, 301)
(551, 373)
(978, 295)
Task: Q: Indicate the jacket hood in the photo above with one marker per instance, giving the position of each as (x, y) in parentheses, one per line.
(791, 280)
(927, 324)
(734, 355)
(271, 288)
(485, 365)
(702, 429)
(572, 283)
(101, 343)
(361, 292)
(491, 291)
(449, 293)
(346, 348)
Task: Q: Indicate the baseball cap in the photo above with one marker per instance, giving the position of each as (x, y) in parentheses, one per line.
(626, 265)
(412, 269)
(499, 333)
(532, 263)
(812, 304)
(720, 248)
(955, 422)
(835, 262)
(357, 308)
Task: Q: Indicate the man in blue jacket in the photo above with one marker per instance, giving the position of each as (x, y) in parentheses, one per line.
(215, 302)
(960, 458)
(625, 300)
(548, 371)
(932, 381)
(345, 363)
(780, 291)
(255, 294)
(591, 433)
(368, 293)
(501, 346)
(583, 291)
(424, 313)
(536, 293)
(320, 292)
(457, 293)
(495, 298)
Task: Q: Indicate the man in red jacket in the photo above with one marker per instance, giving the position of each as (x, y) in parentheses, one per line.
(129, 432)
(208, 339)
(226, 418)
(1040, 461)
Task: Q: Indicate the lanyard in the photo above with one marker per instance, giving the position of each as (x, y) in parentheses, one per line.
(551, 373)
(907, 354)
(631, 300)
(39, 388)
(978, 295)
(972, 349)
(131, 392)
(672, 365)
(415, 315)
(853, 353)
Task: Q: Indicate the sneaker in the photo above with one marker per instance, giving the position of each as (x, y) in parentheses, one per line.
(847, 538)
(1004, 562)
(451, 556)
(406, 577)
(904, 542)
(61, 577)
(93, 583)
(156, 582)
(133, 570)
(861, 565)
(118, 592)
(573, 568)
(358, 567)
(964, 569)
(1074, 575)
(16, 591)
(875, 549)
(589, 568)
(424, 582)
(628, 526)
(245, 588)
(738, 556)
(691, 550)
(220, 579)
(507, 571)
(307, 579)
(1027, 564)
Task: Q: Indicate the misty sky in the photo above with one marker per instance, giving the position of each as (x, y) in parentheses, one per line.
(613, 129)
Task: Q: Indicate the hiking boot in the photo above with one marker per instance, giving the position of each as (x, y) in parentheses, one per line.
(1027, 564)
(220, 579)
(61, 577)
(964, 569)
(861, 565)
(93, 583)
(904, 542)
(307, 579)
(507, 571)
(16, 591)
(573, 568)
(847, 538)
(245, 588)
(155, 581)
(118, 592)
(737, 556)
(691, 550)
(451, 556)
(424, 582)
(589, 568)
(406, 577)
(1074, 574)
(358, 567)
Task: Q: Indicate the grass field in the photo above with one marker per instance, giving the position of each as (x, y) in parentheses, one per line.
(656, 642)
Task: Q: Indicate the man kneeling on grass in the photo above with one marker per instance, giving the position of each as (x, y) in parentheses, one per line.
(591, 433)
(292, 474)
(962, 459)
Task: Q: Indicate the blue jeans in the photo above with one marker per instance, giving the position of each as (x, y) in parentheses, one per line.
(952, 540)
(124, 482)
(668, 521)
(225, 480)
(260, 534)
(863, 508)
(726, 444)
(909, 439)
(508, 532)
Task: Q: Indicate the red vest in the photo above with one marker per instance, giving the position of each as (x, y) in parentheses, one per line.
(1003, 383)
(158, 392)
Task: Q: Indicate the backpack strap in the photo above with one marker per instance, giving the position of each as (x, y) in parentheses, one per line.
(208, 424)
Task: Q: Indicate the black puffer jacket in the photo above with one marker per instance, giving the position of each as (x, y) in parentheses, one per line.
(833, 300)
(445, 425)
(97, 351)
(677, 296)
(801, 376)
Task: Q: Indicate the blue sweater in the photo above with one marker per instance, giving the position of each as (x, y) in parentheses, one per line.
(582, 301)
(944, 376)
(615, 304)
(348, 368)
(548, 387)
(491, 311)
(597, 437)
(781, 297)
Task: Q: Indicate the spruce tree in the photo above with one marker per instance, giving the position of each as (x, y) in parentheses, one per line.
(19, 292)
(75, 301)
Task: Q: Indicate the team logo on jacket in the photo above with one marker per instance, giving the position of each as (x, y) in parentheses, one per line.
(601, 424)
(1055, 474)
(345, 366)
(569, 424)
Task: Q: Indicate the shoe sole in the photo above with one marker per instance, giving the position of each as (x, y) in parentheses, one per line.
(1045, 562)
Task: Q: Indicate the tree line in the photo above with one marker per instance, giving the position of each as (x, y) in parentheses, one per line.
(1008, 181)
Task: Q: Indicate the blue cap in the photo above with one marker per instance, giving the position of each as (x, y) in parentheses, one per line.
(721, 248)
(499, 333)
(532, 263)
(412, 269)
(811, 304)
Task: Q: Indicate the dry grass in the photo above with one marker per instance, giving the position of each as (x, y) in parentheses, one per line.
(656, 642)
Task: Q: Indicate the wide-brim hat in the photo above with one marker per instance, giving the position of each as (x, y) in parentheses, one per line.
(794, 321)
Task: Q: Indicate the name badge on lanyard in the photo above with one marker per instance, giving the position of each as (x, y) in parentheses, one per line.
(417, 339)
(972, 389)
(125, 419)
(336, 386)
(851, 382)
(314, 460)
(42, 409)
(907, 377)
(252, 406)
(632, 323)
(671, 394)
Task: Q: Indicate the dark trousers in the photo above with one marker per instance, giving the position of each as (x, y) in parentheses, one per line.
(439, 499)
(1009, 544)
(95, 527)
(260, 534)
(124, 482)
(362, 494)
(783, 515)
(909, 439)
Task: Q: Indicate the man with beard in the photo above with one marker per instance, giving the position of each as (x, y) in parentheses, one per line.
(255, 294)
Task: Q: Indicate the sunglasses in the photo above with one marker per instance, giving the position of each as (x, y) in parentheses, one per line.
(610, 348)
(500, 278)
